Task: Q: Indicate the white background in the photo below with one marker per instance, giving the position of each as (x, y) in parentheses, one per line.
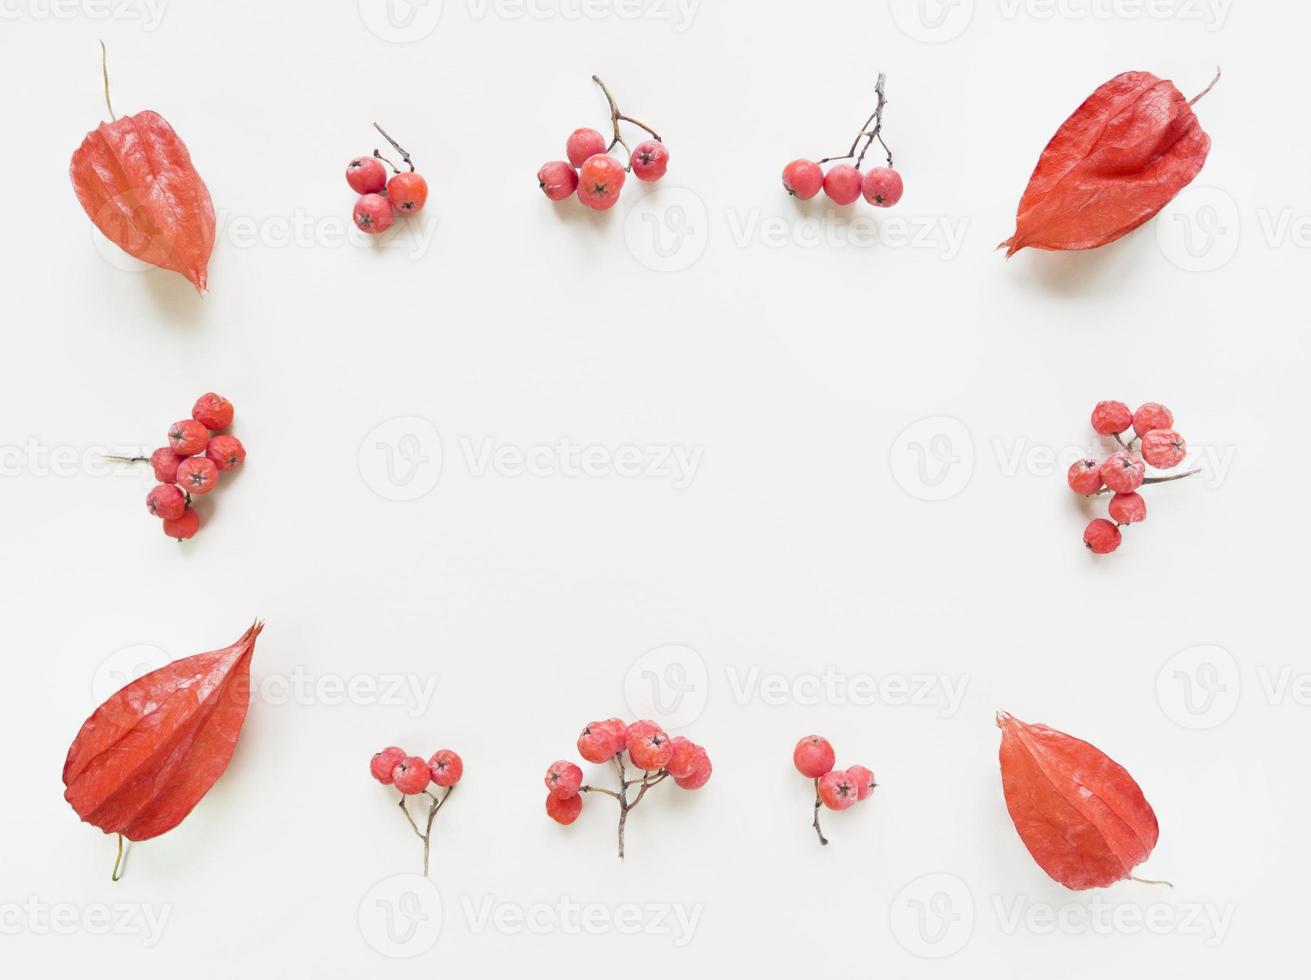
(802, 372)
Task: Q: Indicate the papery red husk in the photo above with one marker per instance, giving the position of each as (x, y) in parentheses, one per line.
(1080, 814)
(1122, 156)
(136, 182)
(148, 755)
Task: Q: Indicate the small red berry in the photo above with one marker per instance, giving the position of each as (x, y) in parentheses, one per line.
(583, 143)
(212, 411)
(373, 214)
(864, 780)
(557, 180)
(882, 187)
(1151, 416)
(1101, 536)
(165, 464)
(648, 746)
(803, 179)
(407, 192)
(701, 770)
(650, 160)
(837, 790)
(226, 452)
(842, 183)
(1127, 508)
(813, 756)
(682, 760)
(1085, 477)
(366, 175)
(166, 501)
(445, 767)
(563, 779)
(1111, 418)
(184, 526)
(564, 811)
(600, 742)
(599, 182)
(188, 437)
(411, 775)
(1123, 472)
(197, 474)
(384, 763)
(1164, 448)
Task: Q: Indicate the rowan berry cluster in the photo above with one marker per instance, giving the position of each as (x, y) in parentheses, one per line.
(412, 775)
(381, 199)
(844, 182)
(649, 749)
(837, 789)
(591, 171)
(190, 464)
(1122, 473)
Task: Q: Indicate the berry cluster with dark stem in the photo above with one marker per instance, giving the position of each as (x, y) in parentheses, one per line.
(425, 835)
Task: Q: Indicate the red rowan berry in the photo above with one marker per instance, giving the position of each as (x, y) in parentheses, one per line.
(582, 144)
(564, 811)
(188, 437)
(838, 790)
(600, 742)
(445, 767)
(1085, 477)
(882, 187)
(1101, 536)
(864, 780)
(842, 183)
(165, 464)
(225, 452)
(411, 775)
(599, 182)
(212, 411)
(803, 179)
(563, 779)
(648, 746)
(650, 160)
(183, 527)
(1151, 416)
(1127, 508)
(407, 192)
(373, 214)
(557, 180)
(1164, 448)
(1123, 472)
(197, 474)
(366, 175)
(384, 763)
(166, 501)
(813, 756)
(1111, 418)
(700, 773)
(682, 758)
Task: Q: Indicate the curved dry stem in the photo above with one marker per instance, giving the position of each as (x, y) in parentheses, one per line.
(397, 147)
(1208, 88)
(1151, 881)
(819, 833)
(118, 861)
(866, 133)
(104, 70)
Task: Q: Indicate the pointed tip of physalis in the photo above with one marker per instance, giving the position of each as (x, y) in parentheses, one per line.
(1012, 245)
(1004, 718)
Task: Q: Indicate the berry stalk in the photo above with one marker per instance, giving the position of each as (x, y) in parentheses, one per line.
(615, 118)
(625, 805)
(425, 835)
(818, 803)
(866, 133)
